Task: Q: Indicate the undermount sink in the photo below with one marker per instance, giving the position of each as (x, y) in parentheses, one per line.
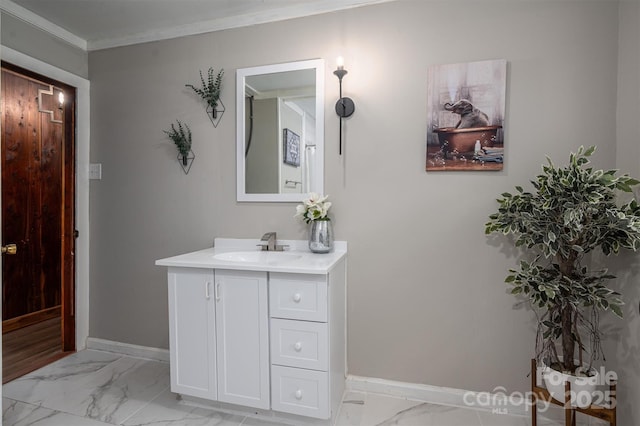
(266, 257)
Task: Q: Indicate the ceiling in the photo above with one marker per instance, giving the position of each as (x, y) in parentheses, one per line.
(99, 24)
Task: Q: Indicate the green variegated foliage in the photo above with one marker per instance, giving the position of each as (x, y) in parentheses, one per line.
(571, 212)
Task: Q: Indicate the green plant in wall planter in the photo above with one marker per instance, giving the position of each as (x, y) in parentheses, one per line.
(181, 136)
(571, 212)
(210, 93)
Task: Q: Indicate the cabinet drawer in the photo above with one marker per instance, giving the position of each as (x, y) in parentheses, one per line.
(299, 344)
(298, 296)
(298, 391)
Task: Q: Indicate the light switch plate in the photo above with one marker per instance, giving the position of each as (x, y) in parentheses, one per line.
(95, 171)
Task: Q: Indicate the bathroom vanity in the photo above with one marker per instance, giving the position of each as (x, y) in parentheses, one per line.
(259, 329)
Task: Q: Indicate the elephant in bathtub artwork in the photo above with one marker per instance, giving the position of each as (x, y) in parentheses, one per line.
(475, 141)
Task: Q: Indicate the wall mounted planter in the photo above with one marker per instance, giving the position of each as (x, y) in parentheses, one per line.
(210, 93)
(215, 115)
(186, 161)
(181, 137)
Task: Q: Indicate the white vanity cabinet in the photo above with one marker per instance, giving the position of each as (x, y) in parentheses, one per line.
(269, 335)
(219, 331)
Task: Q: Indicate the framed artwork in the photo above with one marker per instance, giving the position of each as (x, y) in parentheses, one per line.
(465, 116)
(291, 148)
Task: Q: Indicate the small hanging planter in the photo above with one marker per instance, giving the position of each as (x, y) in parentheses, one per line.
(181, 136)
(215, 114)
(210, 93)
(186, 161)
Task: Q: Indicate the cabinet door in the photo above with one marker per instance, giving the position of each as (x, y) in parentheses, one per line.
(192, 332)
(243, 337)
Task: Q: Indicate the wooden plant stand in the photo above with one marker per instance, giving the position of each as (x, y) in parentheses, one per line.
(539, 393)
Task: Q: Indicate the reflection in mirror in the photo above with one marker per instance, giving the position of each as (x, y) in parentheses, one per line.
(280, 131)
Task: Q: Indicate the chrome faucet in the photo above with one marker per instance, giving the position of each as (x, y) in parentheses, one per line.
(270, 238)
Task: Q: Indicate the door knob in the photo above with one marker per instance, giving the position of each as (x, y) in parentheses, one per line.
(9, 249)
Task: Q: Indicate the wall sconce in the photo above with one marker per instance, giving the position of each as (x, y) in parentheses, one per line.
(345, 106)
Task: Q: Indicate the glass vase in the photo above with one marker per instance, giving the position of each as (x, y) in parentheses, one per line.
(321, 236)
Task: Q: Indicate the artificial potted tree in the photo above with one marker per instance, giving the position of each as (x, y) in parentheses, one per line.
(571, 212)
(210, 91)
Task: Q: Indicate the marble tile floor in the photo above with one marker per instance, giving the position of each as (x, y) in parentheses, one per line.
(93, 388)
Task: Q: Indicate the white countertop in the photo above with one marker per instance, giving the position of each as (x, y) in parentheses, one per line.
(306, 263)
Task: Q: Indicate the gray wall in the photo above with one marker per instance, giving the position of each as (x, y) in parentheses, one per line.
(623, 344)
(427, 302)
(36, 43)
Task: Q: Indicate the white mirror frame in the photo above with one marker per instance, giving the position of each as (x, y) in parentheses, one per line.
(318, 172)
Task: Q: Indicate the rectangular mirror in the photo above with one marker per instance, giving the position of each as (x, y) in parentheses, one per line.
(280, 131)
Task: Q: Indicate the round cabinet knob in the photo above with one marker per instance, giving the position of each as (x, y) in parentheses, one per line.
(298, 394)
(297, 346)
(297, 297)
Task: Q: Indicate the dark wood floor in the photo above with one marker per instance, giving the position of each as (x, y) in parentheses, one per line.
(30, 348)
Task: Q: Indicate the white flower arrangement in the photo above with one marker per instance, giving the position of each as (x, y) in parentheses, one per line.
(316, 207)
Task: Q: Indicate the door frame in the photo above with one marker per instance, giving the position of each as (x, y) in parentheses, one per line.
(82, 179)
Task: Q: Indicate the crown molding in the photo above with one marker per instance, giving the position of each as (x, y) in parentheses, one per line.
(263, 17)
(25, 15)
(238, 21)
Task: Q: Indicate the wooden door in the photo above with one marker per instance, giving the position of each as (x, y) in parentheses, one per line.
(38, 181)
(242, 329)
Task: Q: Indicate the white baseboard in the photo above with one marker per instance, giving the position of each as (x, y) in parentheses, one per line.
(260, 416)
(497, 402)
(137, 351)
